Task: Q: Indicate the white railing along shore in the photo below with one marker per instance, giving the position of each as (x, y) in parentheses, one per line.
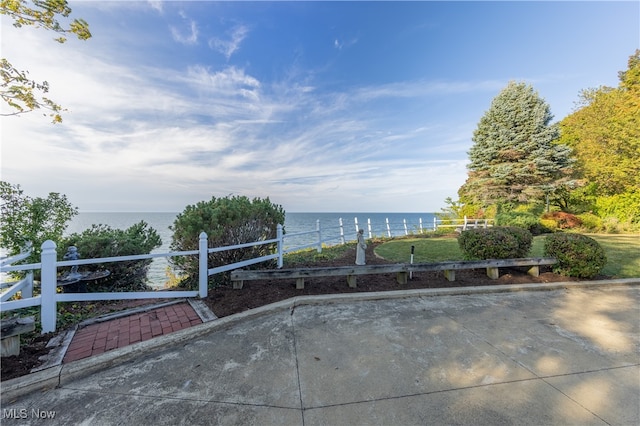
(49, 265)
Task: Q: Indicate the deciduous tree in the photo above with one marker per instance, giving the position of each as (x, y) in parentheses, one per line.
(604, 134)
(17, 90)
(35, 220)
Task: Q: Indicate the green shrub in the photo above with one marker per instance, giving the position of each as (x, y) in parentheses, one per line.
(590, 222)
(549, 224)
(528, 221)
(226, 221)
(488, 243)
(578, 255)
(524, 238)
(625, 207)
(103, 241)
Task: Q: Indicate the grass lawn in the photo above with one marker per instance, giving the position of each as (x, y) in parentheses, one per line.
(623, 251)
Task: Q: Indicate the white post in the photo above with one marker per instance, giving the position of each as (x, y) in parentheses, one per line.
(369, 227)
(356, 221)
(319, 236)
(341, 232)
(464, 226)
(420, 221)
(435, 224)
(280, 236)
(203, 271)
(48, 284)
(404, 221)
(388, 228)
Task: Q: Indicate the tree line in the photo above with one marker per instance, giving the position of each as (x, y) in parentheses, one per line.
(524, 166)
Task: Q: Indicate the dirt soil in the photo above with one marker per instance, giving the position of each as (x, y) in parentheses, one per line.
(224, 301)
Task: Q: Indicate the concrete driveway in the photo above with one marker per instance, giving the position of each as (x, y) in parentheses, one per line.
(568, 354)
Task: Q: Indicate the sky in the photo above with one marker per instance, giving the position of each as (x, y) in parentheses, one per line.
(320, 106)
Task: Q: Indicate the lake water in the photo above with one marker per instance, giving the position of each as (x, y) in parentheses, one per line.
(331, 232)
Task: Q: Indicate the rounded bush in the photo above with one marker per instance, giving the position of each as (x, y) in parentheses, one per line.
(227, 221)
(578, 255)
(488, 243)
(104, 241)
(524, 237)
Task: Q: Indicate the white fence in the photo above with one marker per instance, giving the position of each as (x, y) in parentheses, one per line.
(49, 265)
(395, 229)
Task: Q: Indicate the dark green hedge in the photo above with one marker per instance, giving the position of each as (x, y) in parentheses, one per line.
(578, 255)
(495, 243)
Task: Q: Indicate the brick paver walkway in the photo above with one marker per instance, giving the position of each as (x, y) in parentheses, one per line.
(102, 337)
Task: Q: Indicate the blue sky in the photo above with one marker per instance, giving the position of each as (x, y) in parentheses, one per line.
(321, 106)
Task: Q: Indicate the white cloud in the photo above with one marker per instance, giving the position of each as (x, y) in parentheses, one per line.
(158, 139)
(156, 5)
(189, 37)
(229, 46)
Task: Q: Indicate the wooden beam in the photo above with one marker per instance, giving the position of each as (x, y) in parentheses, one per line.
(401, 269)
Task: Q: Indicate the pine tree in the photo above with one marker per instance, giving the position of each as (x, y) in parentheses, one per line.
(515, 157)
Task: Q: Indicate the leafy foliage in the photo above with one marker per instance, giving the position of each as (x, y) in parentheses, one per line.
(590, 222)
(578, 255)
(35, 220)
(514, 157)
(226, 221)
(525, 220)
(562, 220)
(17, 90)
(604, 134)
(103, 241)
(495, 243)
(625, 207)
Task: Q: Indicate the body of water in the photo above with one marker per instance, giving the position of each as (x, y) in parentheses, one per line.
(374, 224)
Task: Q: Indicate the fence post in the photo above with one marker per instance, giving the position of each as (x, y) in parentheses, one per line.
(388, 228)
(464, 226)
(420, 221)
(203, 255)
(356, 221)
(369, 227)
(404, 221)
(341, 232)
(280, 236)
(48, 284)
(435, 224)
(319, 236)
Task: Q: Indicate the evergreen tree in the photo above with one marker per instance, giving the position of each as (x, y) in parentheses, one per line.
(515, 157)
